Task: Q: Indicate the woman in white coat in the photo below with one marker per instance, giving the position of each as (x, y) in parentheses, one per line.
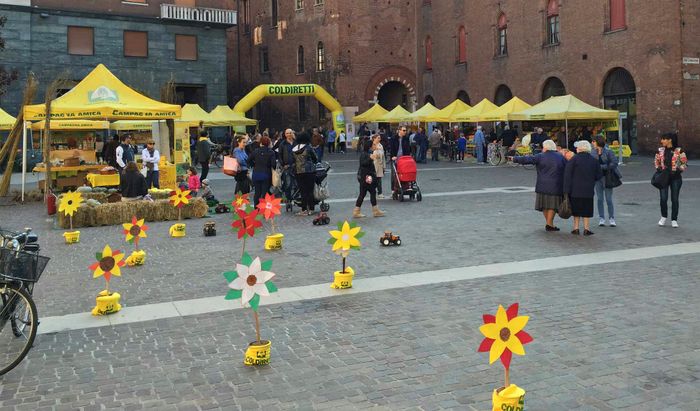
(378, 158)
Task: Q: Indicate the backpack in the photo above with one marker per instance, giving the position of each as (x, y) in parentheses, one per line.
(302, 162)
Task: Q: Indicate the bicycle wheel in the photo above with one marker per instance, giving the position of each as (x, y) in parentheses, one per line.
(18, 315)
(495, 158)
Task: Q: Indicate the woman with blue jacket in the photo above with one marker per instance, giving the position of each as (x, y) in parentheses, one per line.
(608, 163)
(242, 183)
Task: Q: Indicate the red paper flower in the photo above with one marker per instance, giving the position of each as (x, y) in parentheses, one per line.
(241, 201)
(504, 334)
(246, 223)
(269, 206)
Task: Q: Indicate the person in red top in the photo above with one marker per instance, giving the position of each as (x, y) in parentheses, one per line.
(193, 183)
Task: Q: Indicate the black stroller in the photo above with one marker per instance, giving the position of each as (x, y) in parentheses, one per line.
(289, 185)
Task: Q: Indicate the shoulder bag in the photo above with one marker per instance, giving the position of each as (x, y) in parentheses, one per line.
(565, 208)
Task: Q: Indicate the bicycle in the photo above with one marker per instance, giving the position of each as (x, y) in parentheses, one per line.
(19, 271)
(218, 152)
(494, 154)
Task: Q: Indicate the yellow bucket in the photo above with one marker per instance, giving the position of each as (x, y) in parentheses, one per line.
(511, 398)
(107, 303)
(343, 280)
(258, 354)
(274, 241)
(72, 237)
(177, 230)
(136, 258)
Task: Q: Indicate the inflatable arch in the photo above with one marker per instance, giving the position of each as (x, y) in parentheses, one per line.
(294, 90)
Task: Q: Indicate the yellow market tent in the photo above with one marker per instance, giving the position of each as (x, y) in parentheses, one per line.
(192, 114)
(373, 114)
(425, 113)
(224, 116)
(474, 114)
(102, 96)
(397, 115)
(6, 120)
(72, 125)
(131, 125)
(504, 112)
(447, 114)
(564, 108)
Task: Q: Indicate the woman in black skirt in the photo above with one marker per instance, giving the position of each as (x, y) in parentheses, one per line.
(580, 175)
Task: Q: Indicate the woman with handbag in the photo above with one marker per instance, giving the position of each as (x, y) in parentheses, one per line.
(262, 161)
(580, 176)
(669, 162)
(611, 179)
(378, 157)
(367, 177)
(305, 170)
(242, 184)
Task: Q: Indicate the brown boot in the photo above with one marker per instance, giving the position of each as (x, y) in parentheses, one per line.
(376, 212)
(356, 213)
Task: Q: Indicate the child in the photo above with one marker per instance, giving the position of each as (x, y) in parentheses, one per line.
(192, 181)
(461, 147)
(207, 193)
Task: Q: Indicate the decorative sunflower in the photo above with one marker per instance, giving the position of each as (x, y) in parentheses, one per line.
(108, 263)
(179, 198)
(241, 201)
(345, 238)
(135, 230)
(70, 202)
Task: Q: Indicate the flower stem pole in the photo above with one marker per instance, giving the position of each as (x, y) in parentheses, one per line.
(179, 213)
(243, 250)
(507, 377)
(70, 219)
(257, 325)
(343, 265)
(107, 288)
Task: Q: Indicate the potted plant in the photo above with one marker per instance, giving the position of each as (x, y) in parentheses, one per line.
(108, 263)
(271, 206)
(179, 198)
(133, 232)
(70, 202)
(249, 282)
(344, 239)
(504, 336)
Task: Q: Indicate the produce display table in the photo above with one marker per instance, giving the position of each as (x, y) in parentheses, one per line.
(103, 180)
(61, 169)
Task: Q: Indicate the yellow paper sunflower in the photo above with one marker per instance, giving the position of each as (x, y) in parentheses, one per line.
(179, 197)
(345, 237)
(135, 230)
(108, 263)
(70, 203)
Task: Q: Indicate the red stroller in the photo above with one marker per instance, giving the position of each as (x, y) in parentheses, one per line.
(403, 179)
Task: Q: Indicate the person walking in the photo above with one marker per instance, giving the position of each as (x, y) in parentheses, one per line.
(367, 177)
(379, 157)
(604, 194)
(421, 142)
(435, 141)
(317, 144)
(550, 181)
(150, 157)
(342, 142)
(124, 153)
(204, 153)
(670, 159)
(479, 145)
(305, 169)
(331, 141)
(286, 159)
(580, 176)
(262, 162)
(109, 152)
(242, 184)
(461, 148)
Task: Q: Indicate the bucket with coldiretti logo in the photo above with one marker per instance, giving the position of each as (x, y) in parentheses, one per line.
(107, 303)
(510, 398)
(274, 241)
(72, 237)
(136, 258)
(258, 353)
(343, 280)
(177, 230)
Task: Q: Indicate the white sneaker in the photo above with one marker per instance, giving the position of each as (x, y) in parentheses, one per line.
(674, 224)
(612, 222)
(601, 222)
(380, 196)
(662, 222)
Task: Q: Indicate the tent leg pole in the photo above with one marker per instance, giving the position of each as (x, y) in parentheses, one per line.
(619, 138)
(566, 127)
(24, 156)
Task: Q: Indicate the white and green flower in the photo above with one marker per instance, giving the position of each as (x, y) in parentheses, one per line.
(250, 281)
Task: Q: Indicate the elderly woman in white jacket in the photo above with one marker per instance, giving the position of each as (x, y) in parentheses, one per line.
(378, 158)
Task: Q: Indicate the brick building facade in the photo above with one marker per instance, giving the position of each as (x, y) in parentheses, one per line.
(353, 49)
(636, 56)
(141, 41)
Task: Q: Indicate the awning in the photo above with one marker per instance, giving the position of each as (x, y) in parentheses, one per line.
(224, 116)
(447, 114)
(131, 125)
(473, 114)
(504, 112)
(564, 108)
(397, 115)
(373, 114)
(58, 125)
(192, 114)
(425, 113)
(102, 96)
(6, 120)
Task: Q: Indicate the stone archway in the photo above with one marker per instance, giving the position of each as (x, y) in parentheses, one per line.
(392, 74)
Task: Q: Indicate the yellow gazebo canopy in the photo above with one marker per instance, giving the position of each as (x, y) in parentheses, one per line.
(475, 113)
(425, 113)
(6, 120)
(192, 114)
(397, 115)
(373, 114)
(447, 114)
(503, 113)
(72, 125)
(132, 125)
(564, 108)
(102, 96)
(224, 116)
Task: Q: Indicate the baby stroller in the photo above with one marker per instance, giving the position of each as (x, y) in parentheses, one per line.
(403, 179)
(320, 188)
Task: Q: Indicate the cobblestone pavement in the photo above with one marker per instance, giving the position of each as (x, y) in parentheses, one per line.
(610, 337)
(621, 336)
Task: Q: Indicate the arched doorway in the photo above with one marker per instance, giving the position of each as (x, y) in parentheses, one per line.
(503, 95)
(620, 93)
(392, 94)
(464, 97)
(429, 99)
(553, 87)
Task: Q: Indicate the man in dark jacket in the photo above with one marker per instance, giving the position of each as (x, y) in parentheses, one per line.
(203, 153)
(109, 151)
(421, 141)
(400, 144)
(286, 159)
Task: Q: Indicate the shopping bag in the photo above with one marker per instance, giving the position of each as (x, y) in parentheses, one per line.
(565, 208)
(276, 178)
(231, 166)
(612, 180)
(660, 179)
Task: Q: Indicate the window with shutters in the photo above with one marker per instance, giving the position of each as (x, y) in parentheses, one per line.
(300, 60)
(302, 108)
(274, 15)
(320, 57)
(81, 41)
(298, 4)
(617, 15)
(135, 43)
(502, 35)
(462, 45)
(428, 53)
(185, 47)
(264, 60)
(553, 22)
